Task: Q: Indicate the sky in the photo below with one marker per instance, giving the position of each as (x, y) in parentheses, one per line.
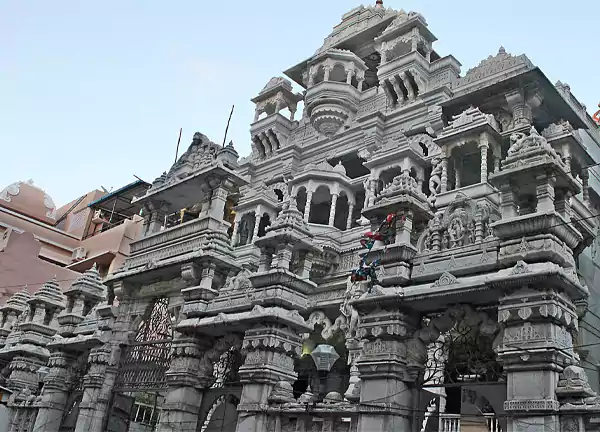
(95, 92)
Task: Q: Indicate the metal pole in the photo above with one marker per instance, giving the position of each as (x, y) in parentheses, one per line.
(227, 128)
(178, 141)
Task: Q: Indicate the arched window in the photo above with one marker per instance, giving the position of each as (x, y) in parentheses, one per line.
(146, 360)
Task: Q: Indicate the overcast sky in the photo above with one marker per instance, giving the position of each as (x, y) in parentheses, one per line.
(93, 92)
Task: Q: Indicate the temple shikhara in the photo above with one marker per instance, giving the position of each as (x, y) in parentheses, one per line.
(408, 248)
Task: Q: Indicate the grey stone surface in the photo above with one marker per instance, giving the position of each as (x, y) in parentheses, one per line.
(498, 236)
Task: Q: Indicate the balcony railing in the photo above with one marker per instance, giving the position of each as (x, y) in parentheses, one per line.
(451, 423)
(145, 414)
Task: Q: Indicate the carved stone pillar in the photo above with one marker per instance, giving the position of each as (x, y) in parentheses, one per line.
(199, 280)
(372, 193)
(257, 218)
(585, 179)
(334, 198)
(155, 218)
(508, 207)
(219, 198)
(457, 168)
(404, 228)
(284, 255)
(208, 274)
(349, 76)
(266, 144)
(55, 393)
(521, 111)
(478, 228)
(266, 258)
(270, 353)
(388, 94)
(349, 220)
(311, 78)
(444, 179)
(408, 86)
(566, 156)
(327, 70)
(354, 349)
(309, 195)
(236, 229)
(186, 376)
(306, 263)
(545, 193)
(97, 388)
(391, 361)
(398, 90)
(562, 204)
(436, 237)
(536, 345)
(484, 155)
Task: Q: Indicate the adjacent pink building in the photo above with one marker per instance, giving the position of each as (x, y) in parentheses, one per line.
(39, 241)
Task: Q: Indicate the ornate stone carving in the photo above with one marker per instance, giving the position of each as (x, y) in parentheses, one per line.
(401, 184)
(349, 311)
(521, 143)
(435, 179)
(239, 282)
(469, 118)
(494, 65)
(463, 223)
(329, 328)
(445, 280)
(520, 268)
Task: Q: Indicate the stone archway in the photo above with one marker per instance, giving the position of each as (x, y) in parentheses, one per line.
(461, 357)
(141, 377)
(221, 416)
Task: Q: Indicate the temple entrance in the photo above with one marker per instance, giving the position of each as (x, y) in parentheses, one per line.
(218, 411)
(464, 386)
(141, 383)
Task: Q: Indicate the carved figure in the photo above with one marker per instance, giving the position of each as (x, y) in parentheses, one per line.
(435, 179)
(367, 187)
(516, 139)
(239, 282)
(456, 230)
(351, 314)
(520, 143)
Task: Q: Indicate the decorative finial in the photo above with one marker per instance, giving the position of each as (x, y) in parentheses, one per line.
(501, 50)
(379, 3)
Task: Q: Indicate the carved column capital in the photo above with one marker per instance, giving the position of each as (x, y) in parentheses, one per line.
(389, 345)
(537, 342)
(189, 366)
(270, 352)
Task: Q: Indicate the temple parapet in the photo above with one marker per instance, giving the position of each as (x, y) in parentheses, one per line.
(536, 195)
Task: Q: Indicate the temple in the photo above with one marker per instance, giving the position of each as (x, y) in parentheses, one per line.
(235, 310)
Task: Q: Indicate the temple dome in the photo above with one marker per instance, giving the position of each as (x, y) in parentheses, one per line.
(30, 200)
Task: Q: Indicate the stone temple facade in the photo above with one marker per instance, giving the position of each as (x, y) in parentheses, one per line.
(239, 314)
